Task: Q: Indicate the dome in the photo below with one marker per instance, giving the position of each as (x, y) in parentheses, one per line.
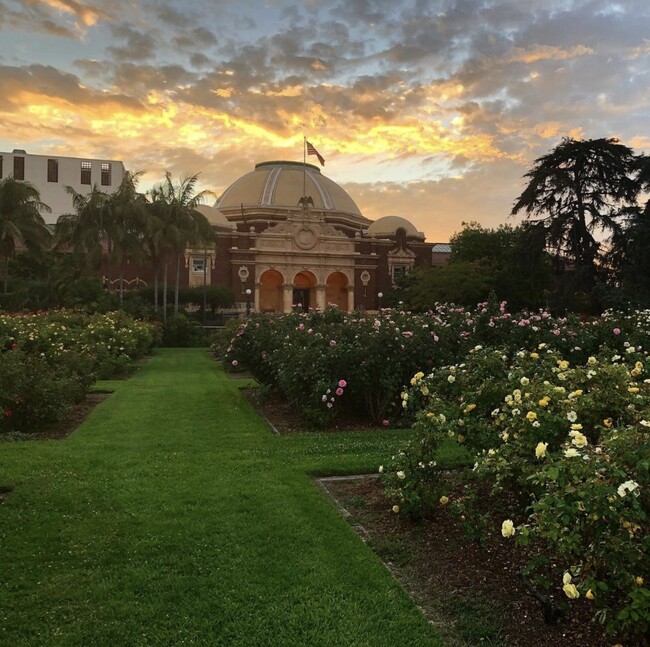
(281, 185)
(214, 216)
(387, 227)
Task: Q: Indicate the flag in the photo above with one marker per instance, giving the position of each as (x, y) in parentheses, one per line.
(312, 151)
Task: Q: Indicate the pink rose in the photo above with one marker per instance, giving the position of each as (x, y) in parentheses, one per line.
(617, 331)
(235, 362)
(342, 383)
(339, 391)
(385, 423)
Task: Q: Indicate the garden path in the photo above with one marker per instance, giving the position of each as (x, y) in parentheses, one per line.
(174, 516)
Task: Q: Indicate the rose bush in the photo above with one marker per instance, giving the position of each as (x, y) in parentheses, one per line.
(378, 353)
(49, 361)
(567, 444)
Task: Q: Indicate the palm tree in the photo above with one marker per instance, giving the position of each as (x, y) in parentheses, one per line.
(579, 189)
(175, 223)
(125, 225)
(21, 222)
(83, 231)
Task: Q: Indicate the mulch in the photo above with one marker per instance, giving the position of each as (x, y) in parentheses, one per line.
(439, 565)
(284, 419)
(72, 418)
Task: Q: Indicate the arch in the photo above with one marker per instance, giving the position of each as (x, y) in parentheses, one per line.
(304, 290)
(271, 282)
(336, 290)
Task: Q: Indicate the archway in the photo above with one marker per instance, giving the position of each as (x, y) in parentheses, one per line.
(271, 291)
(336, 290)
(304, 290)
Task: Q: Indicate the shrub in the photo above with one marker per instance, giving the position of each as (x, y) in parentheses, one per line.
(572, 440)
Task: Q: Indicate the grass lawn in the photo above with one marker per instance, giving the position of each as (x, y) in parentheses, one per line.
(173, 516)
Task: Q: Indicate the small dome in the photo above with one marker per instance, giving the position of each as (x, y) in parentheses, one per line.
(214, 216)
(282, 184)
(387, 227)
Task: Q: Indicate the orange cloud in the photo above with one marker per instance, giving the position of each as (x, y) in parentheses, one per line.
(546, 52)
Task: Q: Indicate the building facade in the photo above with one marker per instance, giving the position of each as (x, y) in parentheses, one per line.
(50, 174)
(291, 236)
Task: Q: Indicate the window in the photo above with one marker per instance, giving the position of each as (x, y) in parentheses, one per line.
(19, 168)
(52, 170)
(85, 172)
(198, 264)
(399, 271)
(106, 174)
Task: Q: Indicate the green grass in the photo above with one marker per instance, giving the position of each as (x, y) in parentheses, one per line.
(173, 516)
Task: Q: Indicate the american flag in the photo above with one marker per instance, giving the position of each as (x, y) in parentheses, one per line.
(312, 151)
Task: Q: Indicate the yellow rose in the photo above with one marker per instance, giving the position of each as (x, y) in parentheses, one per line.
(633, 389)
(395, 509)
(590, 595)
(534, 356)
(608, 422)
(563, 364)
(531, 415)
(580, 440)
(444, 500)
(571, 591)
(544, 401)
(461, 439)
(540, 450)
(508, 528)
(638, 581)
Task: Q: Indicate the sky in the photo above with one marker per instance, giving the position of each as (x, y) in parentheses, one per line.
(428, 109)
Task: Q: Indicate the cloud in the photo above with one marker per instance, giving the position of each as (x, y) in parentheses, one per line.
(64, 18)
(138, 46)
(422, 103)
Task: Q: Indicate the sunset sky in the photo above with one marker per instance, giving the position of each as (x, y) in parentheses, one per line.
(432, 110)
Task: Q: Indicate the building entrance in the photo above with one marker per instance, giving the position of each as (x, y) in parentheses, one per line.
(301, 297)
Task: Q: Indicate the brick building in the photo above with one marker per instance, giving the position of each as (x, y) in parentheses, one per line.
(291, 236)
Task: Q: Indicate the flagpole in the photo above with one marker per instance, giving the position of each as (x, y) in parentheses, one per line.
(304, 166)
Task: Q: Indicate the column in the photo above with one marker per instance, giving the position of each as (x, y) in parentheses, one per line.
(350, 298)
(320, 297)
(287, 300)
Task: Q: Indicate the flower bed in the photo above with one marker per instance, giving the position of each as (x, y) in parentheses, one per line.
(306, 356)
(568, 443)
(556, 411)
(49, 361)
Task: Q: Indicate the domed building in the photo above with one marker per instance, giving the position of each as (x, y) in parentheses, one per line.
(287, 235)
(292, 236)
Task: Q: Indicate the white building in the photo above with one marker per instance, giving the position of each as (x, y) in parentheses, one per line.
(50, 174)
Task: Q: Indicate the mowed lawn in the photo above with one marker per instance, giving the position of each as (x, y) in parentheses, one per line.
(173, 516)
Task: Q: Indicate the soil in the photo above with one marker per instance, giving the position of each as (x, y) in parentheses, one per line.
(75, 415)
(451, 576)
(283, 419)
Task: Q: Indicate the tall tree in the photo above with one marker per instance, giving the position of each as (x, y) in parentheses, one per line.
(21, 222)
(577, 190)
(125, 227)
(177, 224)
